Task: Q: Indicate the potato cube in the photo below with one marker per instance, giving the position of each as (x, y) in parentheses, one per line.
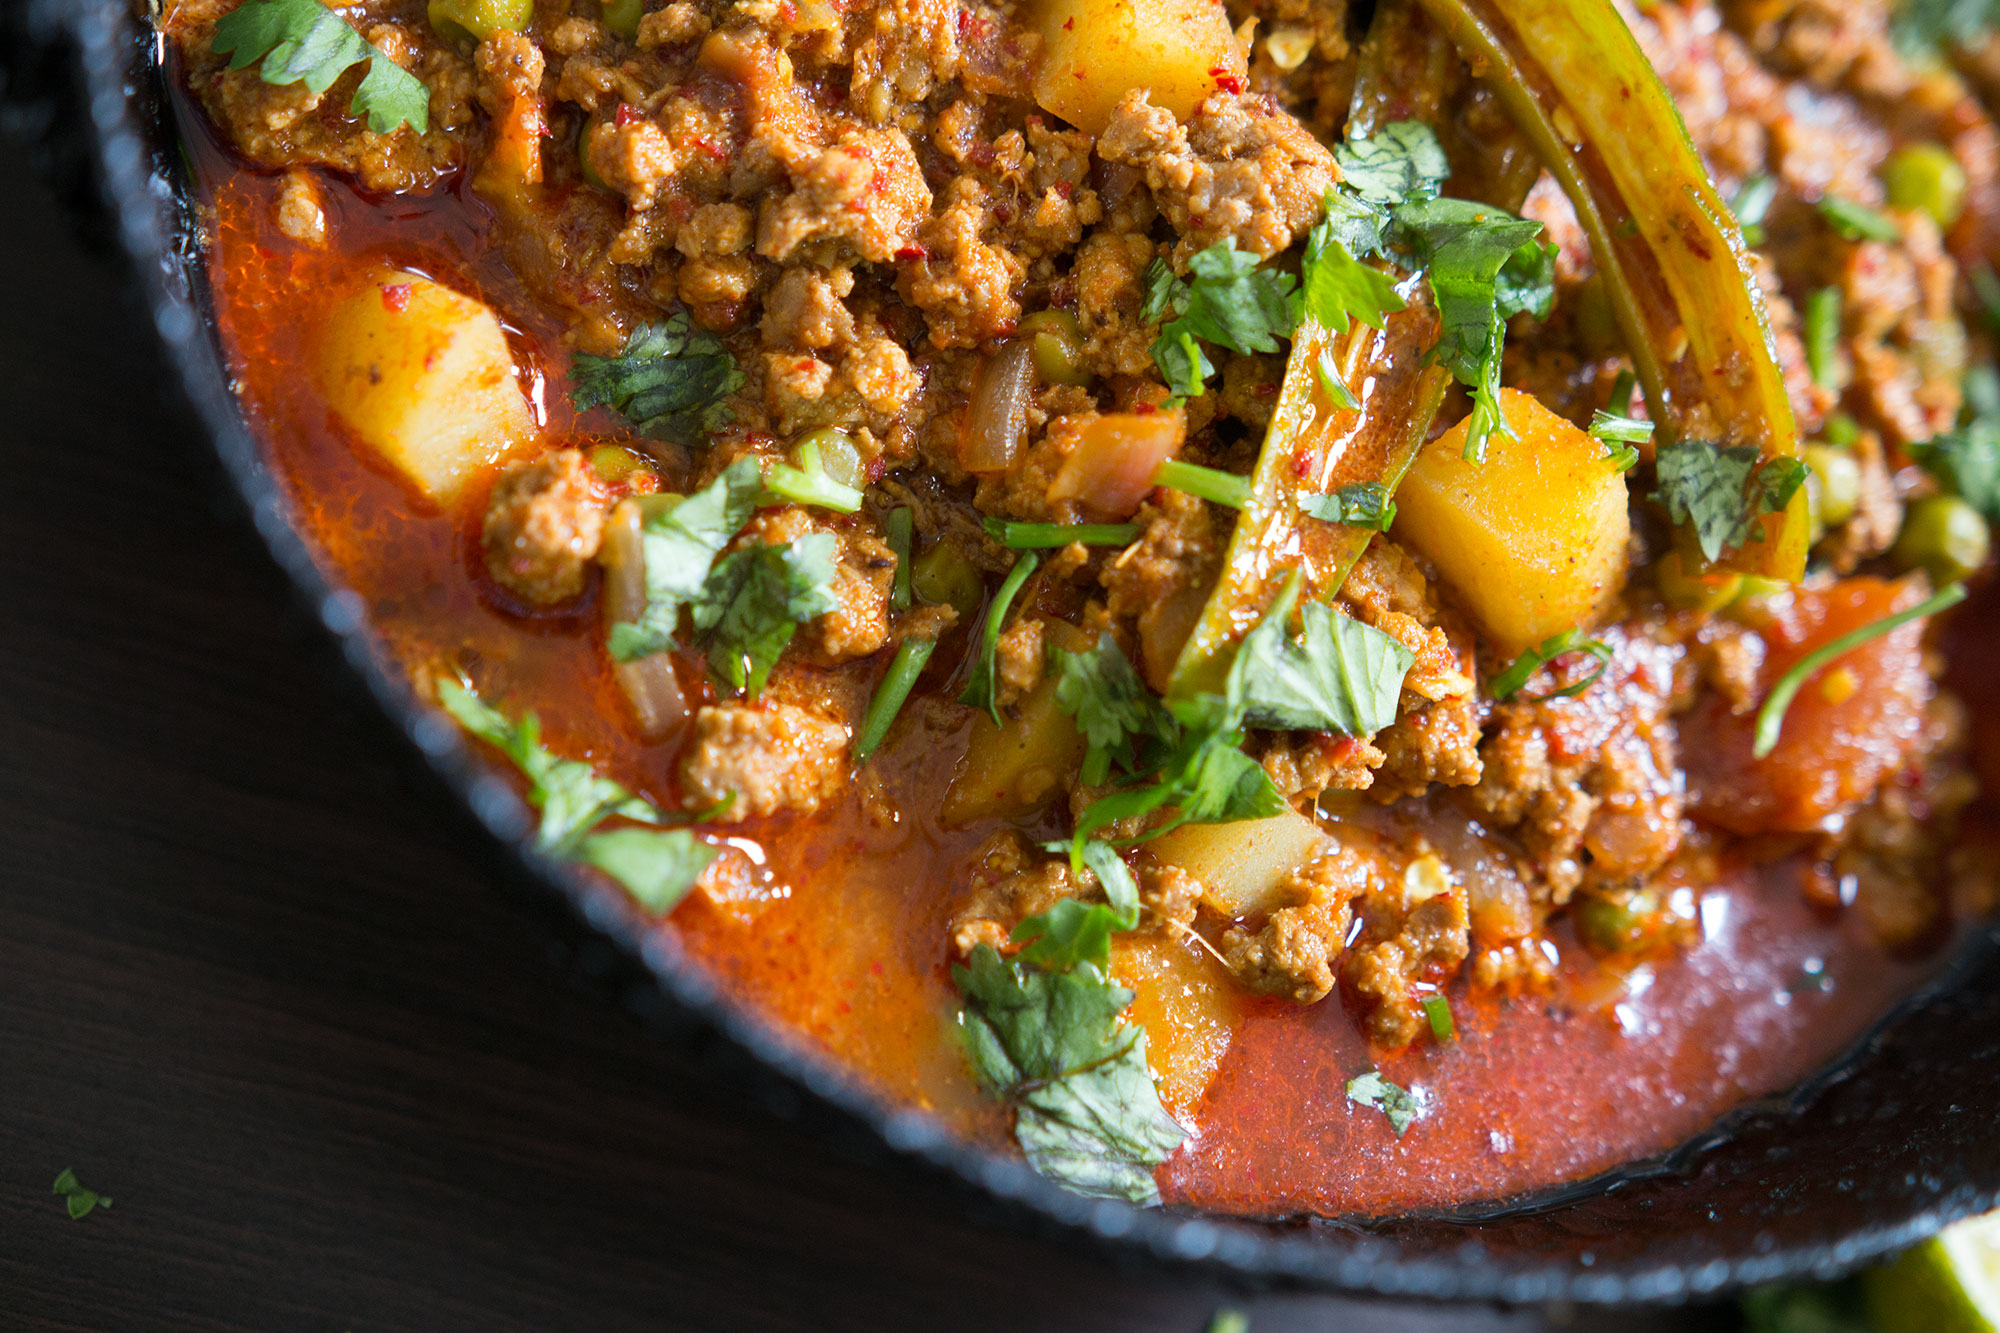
(1531, 541)
(1096, 51)
(423, 375)
(1241, 865)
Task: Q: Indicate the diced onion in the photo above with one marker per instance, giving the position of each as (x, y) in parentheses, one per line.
(996, 422)
(650, 682)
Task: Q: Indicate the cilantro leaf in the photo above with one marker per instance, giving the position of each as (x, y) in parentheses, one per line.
(755, 599)
(672, 381)
(1509, 682)
(1484, 265)
(302, 41)
(1400, 163)
(1229, 298)
(679, 542)
(1339, 288)
(1722, 492)
(1087, 1113)
(1070, 932)
(656, 866)
(982, 690)
(76, 1199)
(1341, 675)
(1399, 1104)
(1858, 222)
(572, 796)
(1113, 708)
(1966, 462)
(1365, 504)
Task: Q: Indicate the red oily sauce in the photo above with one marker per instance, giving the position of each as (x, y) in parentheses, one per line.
(833, 926)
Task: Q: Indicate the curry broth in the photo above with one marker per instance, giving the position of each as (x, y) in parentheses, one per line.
(1531, 1093)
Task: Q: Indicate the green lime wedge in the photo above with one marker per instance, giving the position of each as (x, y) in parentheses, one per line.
(1949, 1284)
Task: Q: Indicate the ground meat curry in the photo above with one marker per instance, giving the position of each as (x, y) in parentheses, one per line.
(1290, 606)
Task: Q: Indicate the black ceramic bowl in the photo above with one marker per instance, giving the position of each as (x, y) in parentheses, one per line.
(1898, 1139)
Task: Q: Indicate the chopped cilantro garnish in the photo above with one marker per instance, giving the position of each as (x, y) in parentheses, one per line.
(1228, 298)
(302, 41)
(1366, 504)
(1078, 932)
(672, 381)
(1113, 708)
(1509, 682)
(1339, 288)
(982, 690)
(1967, 463)
(680, 542)
(1857, 222)
(1213, 484)
(1620, 435)
(1339, 675)
(891, 694)
(1400, 163)
(1920, 27)
(657, 866)
(78, 1200)
(1033, 536)
(755, 599)
(809, 483)
(1722, 492)
(1771, 716)
(1752, 203)
(1437, 1012)
(572, 796)
(1484, 266)
(900, 529)
(1050, 1042)
(1399, 1104)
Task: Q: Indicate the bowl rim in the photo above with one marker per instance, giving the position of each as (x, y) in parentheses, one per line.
(112, 55)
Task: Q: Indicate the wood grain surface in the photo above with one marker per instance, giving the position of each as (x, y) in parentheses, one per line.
(257, 985)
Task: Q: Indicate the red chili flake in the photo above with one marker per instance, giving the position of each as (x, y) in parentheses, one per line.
(1069, 25)
(913, 252)
(396, 296)
(1229, 83)
(711, 148)
(1144, 409)
(964, 23)
(1302, 461)
(788, 12)
(805, 367)
(1003, 212)
(627, 113)
(1064, 189)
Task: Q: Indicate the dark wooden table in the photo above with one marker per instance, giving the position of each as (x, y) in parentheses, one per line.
(256, 982)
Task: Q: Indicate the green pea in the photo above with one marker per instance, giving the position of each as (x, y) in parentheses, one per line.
(476, 20)
(1926, 176)
(1943, 536)
(1614, 925)
(942, 576)
(1833, 484)
(622, 17)
(1058, 346)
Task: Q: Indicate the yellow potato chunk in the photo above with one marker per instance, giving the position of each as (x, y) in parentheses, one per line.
(424, 376)
(1532, 541)
(1240, 865)
(1190, 1008)
(1017, 768)
(1096, 51)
